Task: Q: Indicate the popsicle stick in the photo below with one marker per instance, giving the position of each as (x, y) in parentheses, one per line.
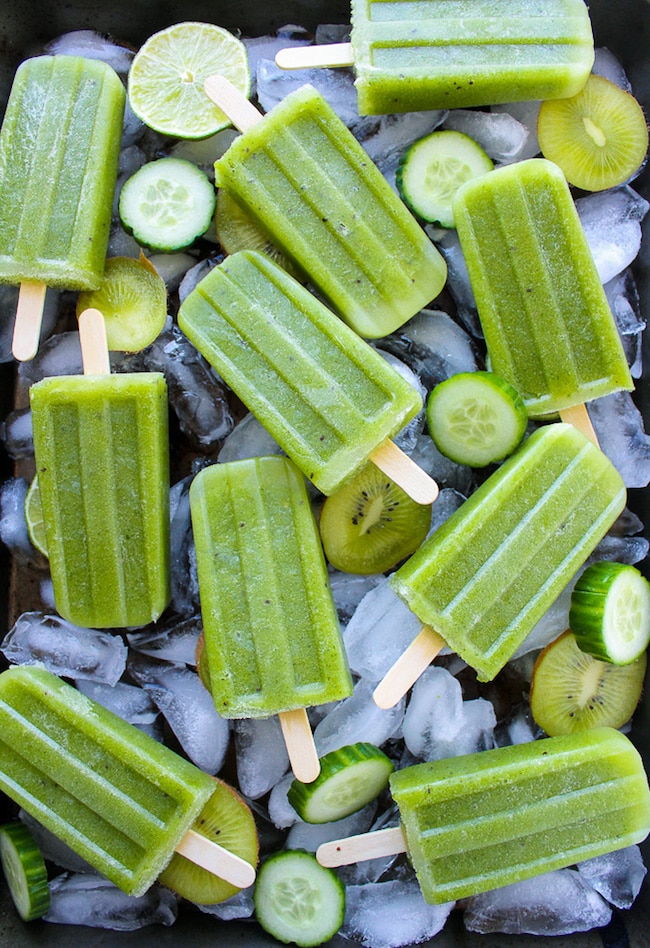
(344, 852)
(408, 668)
(405, 472)
(578, 416)
(29, 316)
(315, 57)
(232, 102)
(299, 740)
(94, 347)
(209, 855)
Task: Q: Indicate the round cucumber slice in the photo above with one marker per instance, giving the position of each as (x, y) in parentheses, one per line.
(297, 899)
(476, 418)
(349, 778)
(167, 204)
(432, 169)
(610, 612)
(25, 872)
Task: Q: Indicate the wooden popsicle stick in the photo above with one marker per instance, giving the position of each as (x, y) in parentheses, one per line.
(315, 57)
(578, 416)
(405, 472)
(217, 860)
(344, 852)
(232, 102)
(299, 741)
(408, 668)
(29, 316)
(94, 347)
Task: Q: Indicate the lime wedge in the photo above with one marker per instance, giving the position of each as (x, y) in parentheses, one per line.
(167, 75)
(34, 517)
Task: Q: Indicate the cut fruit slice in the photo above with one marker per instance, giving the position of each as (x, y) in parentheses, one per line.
(34, 517)
(25, 871)
(298, 900)
(350, 777)
(132, 299)
(433, 168)
(598, 137)
(476, 418)
(166, 78)
(227, 820)
(572, 691)
(610, 612)
(371, 524)
(236, 230)
(167, 204)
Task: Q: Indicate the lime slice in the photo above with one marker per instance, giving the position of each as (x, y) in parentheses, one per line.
(34, 517)
(132, 298)
(167, 75)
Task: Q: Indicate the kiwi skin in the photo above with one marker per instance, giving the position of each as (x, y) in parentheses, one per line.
(572, 691)
(371, 524)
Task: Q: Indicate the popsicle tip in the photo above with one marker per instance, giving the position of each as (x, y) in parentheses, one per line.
(299, 742)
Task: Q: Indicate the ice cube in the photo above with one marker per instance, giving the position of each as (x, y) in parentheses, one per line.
(391, 914)
(262, 758)
(358, 718)
(93, 901)
(617, 876)
(612, 224)
(498, 133)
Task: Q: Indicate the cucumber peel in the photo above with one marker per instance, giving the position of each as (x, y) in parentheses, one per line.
(24, 869)
(610, 612)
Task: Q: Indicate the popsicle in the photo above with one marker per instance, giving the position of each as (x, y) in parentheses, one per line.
(548, 326)
(326, 396)
(102, 461)
(488, 574)
(118, 798)
(307, 182)
(443, 54)
(59, 148)
(485, 820)
(272, 635)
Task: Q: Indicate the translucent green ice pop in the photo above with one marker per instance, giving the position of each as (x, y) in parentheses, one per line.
(488, 574)
(301, 174)
(272, 635)
(102, 461)
(326, 396)
(443, 54)
(118, 798)
(486, 820)
(59, 149)
(548, 326)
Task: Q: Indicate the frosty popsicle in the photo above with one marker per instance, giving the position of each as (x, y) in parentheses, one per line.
(301, 174)
(102, 460)
(489, 819)
(548, 326)
(488, 574)
(117, 797)
(271, 630)
(59, 148)
(324, 394)
(438, 54)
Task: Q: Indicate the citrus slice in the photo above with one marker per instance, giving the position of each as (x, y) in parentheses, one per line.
(34, 517)
(166, 78)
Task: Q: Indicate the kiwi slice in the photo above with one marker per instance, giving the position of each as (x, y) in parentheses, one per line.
(236, 230)
(227, 820)
(598, 137)
(572, 691)
(132, 298)
(371, 524)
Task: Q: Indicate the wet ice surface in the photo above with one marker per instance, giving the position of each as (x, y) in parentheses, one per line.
(500, 134)
(309, 836)
(65, 649)
(129, 702)
(93, 901)
(358, 718)
(556, 903)
(13, 526)
(16, 433)
(391, 914)
(617, 876)
(262, 758)
(238, 906)
(612, 224)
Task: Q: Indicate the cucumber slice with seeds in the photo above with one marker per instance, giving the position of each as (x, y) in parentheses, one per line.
(349, 778)
(25, 872)
(610, 612)
(297, 899)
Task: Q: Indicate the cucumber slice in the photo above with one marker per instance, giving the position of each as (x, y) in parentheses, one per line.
(167, 204)
(610, 612)
(297, 899)
(432, 169)
(476, 418)
(25, 872)
(349, 778)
